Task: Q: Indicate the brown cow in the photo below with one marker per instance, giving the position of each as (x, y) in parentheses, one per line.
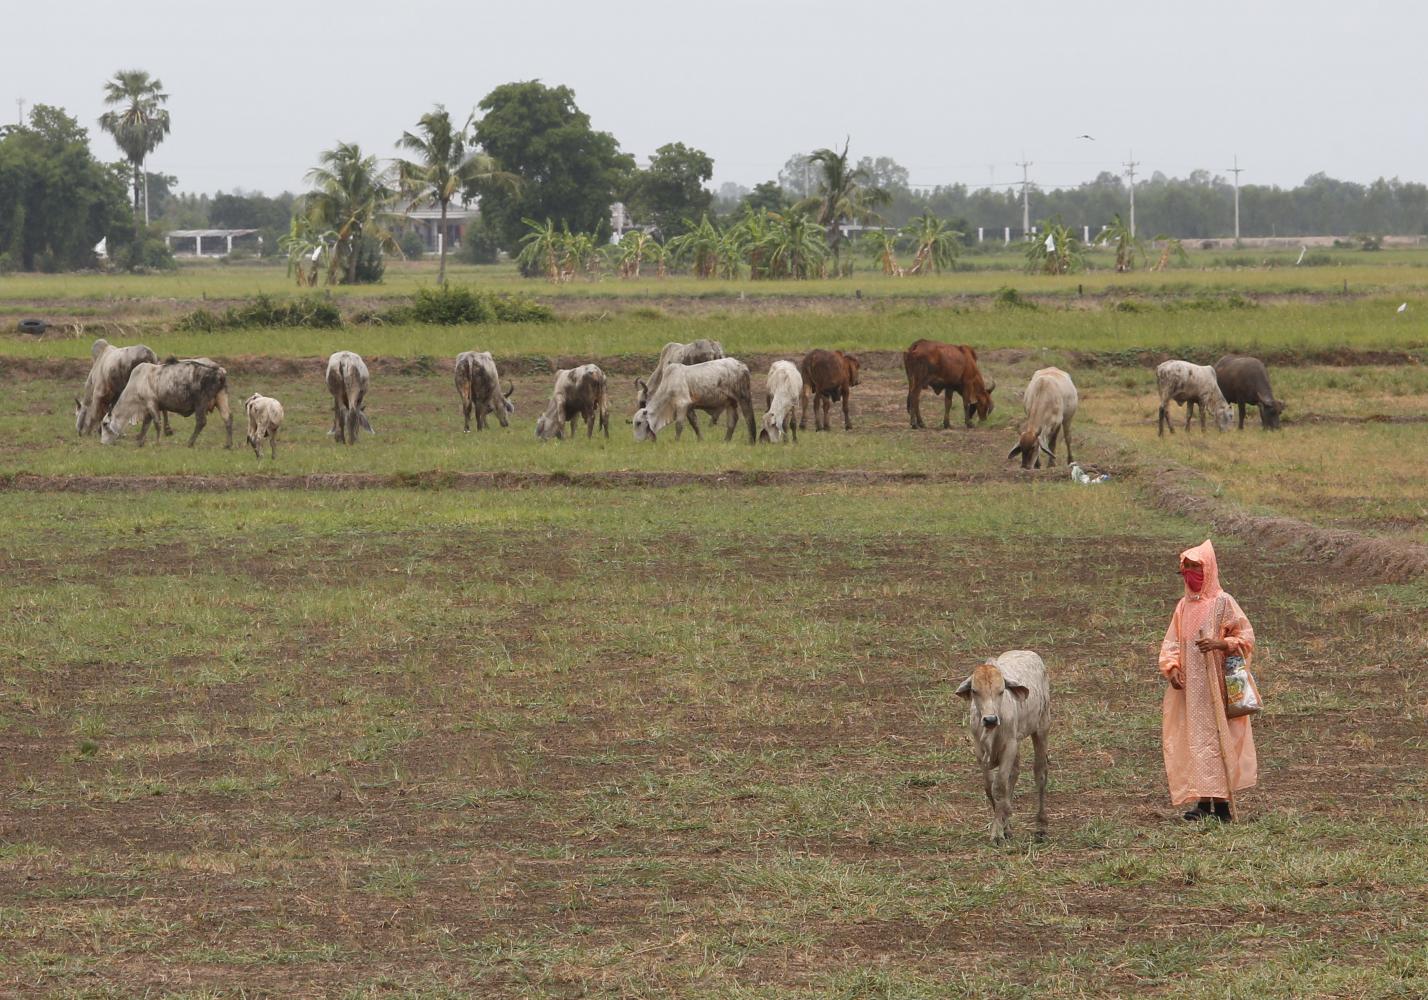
(827, 375)
(946, 368)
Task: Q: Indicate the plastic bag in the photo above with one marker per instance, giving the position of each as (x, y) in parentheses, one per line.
(1241, 693)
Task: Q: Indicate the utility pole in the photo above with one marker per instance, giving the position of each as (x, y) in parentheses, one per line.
(1236, 171)
(20, 111)
(1130, 166)
(1025, 202)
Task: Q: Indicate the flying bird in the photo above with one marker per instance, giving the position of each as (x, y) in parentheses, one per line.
(1083, 136)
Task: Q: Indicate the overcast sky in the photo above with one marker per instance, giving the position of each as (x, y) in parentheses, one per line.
(955, 92)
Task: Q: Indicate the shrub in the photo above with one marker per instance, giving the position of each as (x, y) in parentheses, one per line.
(449, 305)
(1010, 298)
(263, 311)
(371, 265)
(141, 249)
(412, 244)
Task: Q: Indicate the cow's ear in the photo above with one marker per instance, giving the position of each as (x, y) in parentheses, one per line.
(1016, 450)
(964, 690)
(1018, 691)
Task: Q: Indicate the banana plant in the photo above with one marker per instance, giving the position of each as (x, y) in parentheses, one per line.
(935, 244)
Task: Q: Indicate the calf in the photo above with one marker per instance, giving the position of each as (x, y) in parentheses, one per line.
(347, 380)
(1244, 381)
(784, 387)
(265, 419)
(578, 392)
(1050, 403)
(945, 369)
(107, 378)
(711, 385)
(193, 386)
(1190, 384)
(1009, 699)
(479, 385)
(827, 376)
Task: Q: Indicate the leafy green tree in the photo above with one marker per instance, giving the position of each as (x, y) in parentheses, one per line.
(569, 172)
(844, 194)
(56, 200)
(767, 197)
(138, 122)
(446, 166)
(349, 196)
(671, 191)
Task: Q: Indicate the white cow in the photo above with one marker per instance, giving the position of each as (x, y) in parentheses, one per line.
(1190, 384)
(191, 387)
(711, 385)
(1009, 699)
(1050, 403)
(784, 387)
(107, 378)
(347, 380)
(265, 419)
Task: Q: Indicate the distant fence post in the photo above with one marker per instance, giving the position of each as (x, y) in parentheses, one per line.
(979, 234)
(1006, 235)
(1086, 235)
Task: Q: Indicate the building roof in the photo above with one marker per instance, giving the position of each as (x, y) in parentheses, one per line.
(205, 233)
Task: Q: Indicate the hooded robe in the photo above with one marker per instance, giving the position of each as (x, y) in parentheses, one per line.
(1189, 730)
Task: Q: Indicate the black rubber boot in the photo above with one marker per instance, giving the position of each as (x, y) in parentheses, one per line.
(1222, 811)
(1203, 810)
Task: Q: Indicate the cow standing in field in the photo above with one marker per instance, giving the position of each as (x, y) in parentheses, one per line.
(673, 353)
(1050, 403)
(108, 376)
(784, 387)
(265, 419)
(1244, 381)
(827, 376)
(193, 386)
(945, 369)
(579, 392)
(712, 385)
(347, 380)
(479, 385)
(1190, 384)
(1009, 699)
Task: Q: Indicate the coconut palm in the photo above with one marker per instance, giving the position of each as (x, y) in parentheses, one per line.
(350, 195)
(445, 166)
(934, 244)
(138, 123)
(845, 194)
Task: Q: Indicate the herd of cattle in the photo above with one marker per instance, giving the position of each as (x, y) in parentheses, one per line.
(128, 386)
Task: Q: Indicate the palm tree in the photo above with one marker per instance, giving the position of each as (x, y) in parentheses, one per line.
(349, 195)
(933, 241)
(881, 246)
(446, 166)
(138, 125)
(845, 194)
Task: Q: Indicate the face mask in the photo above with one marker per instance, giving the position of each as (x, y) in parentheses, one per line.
(1194, 578)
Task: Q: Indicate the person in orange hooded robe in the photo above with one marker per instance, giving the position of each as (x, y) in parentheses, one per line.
(1207, 625)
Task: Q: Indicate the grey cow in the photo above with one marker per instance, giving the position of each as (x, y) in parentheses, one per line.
(479, 385)
(1009, 699)
(192, 386)
(107, 378)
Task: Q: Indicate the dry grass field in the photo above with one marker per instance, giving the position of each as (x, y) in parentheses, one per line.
(448, 715)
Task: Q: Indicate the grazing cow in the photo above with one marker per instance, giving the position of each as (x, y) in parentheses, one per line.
(827, 376)
(1009, 699)
(785, 387)
(578, 392)
(711, 385)
(1190, 384)
(479, 384)
(265, 419)
(347, 380)
(193, 386)
(1050, 403)
(675, 353)
(107, 378)
(1245, 382)
(945, 369)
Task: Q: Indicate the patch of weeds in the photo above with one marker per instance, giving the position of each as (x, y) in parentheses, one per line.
(1007, 297)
